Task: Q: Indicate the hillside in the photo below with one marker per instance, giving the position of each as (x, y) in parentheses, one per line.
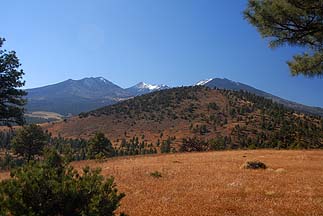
(204, 117)
(237, 86)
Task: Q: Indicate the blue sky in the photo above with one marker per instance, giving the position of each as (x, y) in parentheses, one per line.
(173, 42)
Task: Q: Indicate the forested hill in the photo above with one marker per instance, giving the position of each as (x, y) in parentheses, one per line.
(237, 86)
(210, 118)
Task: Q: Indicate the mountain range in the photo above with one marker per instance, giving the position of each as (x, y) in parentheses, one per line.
(72, 97)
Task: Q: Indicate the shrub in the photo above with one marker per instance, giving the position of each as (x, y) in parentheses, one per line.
(156, 174)
(254, 165)
(52, 188)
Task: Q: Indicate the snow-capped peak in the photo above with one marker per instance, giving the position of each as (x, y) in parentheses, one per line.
(151, 87)
(103, 79)
(203, 82)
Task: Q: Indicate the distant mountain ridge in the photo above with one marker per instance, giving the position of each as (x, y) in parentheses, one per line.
(72, 97)
(93, 87)
(237, 86)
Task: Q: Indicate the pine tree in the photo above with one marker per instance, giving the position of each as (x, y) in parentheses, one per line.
(11, 98)
(295, 23)
(29, 141)
(99, 145)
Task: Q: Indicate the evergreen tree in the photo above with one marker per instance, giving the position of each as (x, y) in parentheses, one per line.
(99, 145)
(11, 98)
(295, 23)
(29, 141)
(165, 146)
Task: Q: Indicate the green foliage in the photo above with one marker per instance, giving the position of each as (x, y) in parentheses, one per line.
(100, 147)
(292, 22)
(51, 188)
(11, 98)
(80, 149)
(73, 149)
(29, 141)
(135, 147)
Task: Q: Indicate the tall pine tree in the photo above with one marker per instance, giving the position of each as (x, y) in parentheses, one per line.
(11, 97)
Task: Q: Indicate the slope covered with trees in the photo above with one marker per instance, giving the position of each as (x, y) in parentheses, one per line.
(197, 119)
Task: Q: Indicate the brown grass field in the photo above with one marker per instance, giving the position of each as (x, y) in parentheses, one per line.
(214, 183)
(45, 115)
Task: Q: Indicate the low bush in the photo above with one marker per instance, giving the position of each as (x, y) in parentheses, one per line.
(254, 165)
(156, 174)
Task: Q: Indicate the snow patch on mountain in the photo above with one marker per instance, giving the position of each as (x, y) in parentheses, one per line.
(151, 87)
(203, 82)
(103, 79)
(144, 88)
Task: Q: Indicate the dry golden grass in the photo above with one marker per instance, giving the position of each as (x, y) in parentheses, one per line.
(214, 184)
(45, 115)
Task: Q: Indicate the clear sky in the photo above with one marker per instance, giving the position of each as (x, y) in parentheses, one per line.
(173, 42)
